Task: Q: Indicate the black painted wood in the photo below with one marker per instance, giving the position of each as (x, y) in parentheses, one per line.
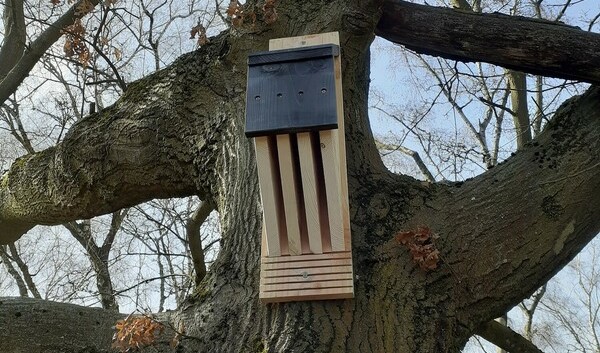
(291, 90)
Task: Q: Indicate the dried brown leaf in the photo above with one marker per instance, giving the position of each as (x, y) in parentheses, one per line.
(269, 12)
(421, 246)
(136, 332)
(200, 31)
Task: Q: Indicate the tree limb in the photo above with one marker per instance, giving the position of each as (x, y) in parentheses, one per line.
(411, 153)
(20, 70)
(530, 215)
(192, 229)
(67, 328)
(14, 35)
(505, 338)
(13, 272)
(529, 45)
(153, 143)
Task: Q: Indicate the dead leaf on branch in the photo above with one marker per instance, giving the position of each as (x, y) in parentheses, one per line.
(117, 53)
(200, 31)
(83, 8)
(421, 246)
(136, 332)
(269, 12)
(74, 42)
(235, 13)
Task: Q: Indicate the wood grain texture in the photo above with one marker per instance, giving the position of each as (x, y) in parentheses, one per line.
(290, 197)
(267, 176)
(309, 189)
(333, 187)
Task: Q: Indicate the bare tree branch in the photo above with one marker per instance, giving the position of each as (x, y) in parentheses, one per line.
(39, 46)
(16, 257)
(506, 338)
(414, 154)
(13, 271)
(126, 154)
(192, 228)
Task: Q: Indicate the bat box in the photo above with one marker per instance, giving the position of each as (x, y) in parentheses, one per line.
(294, 112)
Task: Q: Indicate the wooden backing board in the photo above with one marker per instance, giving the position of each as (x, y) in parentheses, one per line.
(306, 241)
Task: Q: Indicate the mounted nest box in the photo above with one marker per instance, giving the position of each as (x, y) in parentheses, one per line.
(294, 112)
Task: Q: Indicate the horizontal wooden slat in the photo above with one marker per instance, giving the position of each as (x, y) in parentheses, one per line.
(310, 294)
(305, 286)
(311, 278)
(307, 264)
(313, 271)
(308, 257)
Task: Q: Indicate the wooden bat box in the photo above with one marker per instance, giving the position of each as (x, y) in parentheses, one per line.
(294, 112)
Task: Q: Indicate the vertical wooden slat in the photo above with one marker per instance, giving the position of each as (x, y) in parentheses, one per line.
(337, 66)
(309, 188)
(267, 177)
(333, 188)
(288, 187)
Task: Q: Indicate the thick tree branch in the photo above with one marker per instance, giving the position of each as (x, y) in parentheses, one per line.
(529, 45)
(14, 35)
(516, 225)
(153, 143)
(34, 51)
(506, 338)
(67, 328)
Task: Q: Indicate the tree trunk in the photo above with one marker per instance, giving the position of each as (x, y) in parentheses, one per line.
(187, 122)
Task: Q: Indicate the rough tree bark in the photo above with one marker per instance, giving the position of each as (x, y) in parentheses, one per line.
(180, 132)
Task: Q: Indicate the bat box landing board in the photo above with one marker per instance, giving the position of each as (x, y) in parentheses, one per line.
(294, 112)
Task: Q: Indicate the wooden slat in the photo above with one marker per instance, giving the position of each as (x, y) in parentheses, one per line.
(309, 189)
(333, 187)
(308, 264)
(311, 278)
(288, 187)
(337, 66)
(311, 294)
(267, 175)
(300, 271)
(307, 257)
(307, 40)
(305, 285)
